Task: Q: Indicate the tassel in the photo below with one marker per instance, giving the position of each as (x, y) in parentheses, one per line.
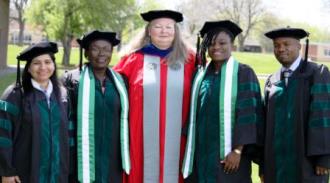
(306, 48)
(197, 56)
(80, 58)
(18, 75)
(306, 54)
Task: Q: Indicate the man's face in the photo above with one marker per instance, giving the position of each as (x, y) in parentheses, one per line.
(286, 50)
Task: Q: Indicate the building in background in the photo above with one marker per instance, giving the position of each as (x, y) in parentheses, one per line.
(31, 34)
(318, 51)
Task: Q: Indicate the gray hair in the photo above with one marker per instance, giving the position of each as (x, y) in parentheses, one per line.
(179, 51)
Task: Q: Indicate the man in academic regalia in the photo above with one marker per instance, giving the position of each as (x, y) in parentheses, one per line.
(297, 98)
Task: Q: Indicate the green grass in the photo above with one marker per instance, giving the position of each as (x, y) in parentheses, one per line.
(6, 81)
(261, 63)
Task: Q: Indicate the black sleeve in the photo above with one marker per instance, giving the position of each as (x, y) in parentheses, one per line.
(10, 113)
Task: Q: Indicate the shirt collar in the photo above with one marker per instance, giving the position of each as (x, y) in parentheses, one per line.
(37, 86)
(293, 66)
(153, 50)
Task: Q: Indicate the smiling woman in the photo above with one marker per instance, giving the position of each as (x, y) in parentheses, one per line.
(225, 110)
(99, 101)
(159, 70)
(34, 123)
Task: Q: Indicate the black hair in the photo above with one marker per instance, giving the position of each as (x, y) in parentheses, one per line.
(208, 39)
(26, 79)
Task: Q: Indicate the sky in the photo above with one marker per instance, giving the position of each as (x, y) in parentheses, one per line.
(309, 11)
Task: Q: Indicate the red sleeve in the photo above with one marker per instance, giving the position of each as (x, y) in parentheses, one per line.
(125, 65)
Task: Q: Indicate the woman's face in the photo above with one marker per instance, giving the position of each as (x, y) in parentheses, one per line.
(99, 54)
(41, 68)
(162, 32)
(220, 47)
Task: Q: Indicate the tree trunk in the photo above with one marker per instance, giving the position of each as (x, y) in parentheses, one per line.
(119, 37)
(241, 46)
(66, 42)
(21, 32)
(241, 41)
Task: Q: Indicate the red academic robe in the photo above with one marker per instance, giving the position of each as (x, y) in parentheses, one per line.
(131, 66)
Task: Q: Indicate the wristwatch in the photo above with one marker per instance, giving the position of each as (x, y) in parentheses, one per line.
(237, 151)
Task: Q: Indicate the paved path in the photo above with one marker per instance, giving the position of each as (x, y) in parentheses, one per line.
(262, 76)
(8, 70)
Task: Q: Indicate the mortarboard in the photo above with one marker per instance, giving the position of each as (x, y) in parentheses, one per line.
(225, 24)
(287, 32)
(154, 14)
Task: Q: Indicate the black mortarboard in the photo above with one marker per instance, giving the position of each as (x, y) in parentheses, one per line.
(225, 24)
(37, 49)
(153, 14)
(31, 52)
(287, 32)
(88, 38)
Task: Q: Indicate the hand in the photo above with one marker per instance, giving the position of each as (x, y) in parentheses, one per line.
(231, 162)
(321, 170)
(13, 179)
(262, 178)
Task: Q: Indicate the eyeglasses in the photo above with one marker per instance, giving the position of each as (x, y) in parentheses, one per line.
(163, 27)
(98, 50)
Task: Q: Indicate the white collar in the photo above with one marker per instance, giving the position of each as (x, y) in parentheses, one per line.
(294, 65)
(47, 92)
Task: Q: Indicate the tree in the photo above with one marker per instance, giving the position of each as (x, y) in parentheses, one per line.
(19, 6)
(64, 20)
(196, 12)
(246, 13)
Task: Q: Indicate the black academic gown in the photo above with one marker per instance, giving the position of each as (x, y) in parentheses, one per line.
(207, 166)
(34, 142)
(297, 129)
(108, 167)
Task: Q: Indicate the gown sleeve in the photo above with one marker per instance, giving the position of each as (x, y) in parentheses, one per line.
(248, 108)
(10, 104)
(318, 130)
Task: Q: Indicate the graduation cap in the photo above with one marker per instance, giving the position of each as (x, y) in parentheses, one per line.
(225, 24)
(295, 33)
(88, 38)
(31, 52)
(287, 32)
(211, 27)
(154, 14)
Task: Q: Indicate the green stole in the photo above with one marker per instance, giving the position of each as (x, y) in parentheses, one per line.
(85, 132)
(227, 100)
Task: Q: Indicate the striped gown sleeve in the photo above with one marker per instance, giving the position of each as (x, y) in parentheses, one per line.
(248, 107)
(318, 137)
(9, 119)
